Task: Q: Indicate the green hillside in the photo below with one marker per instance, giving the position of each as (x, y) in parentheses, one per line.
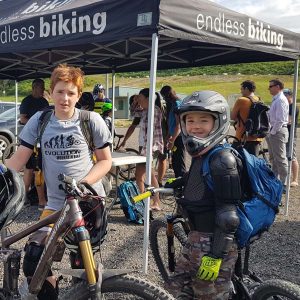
(223, 79)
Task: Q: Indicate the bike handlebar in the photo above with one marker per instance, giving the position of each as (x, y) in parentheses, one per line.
(75, 188)
(152, 191)
(67, 179)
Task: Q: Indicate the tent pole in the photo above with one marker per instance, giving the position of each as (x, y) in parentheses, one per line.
(107, 88)
(153, 69)
(292, 131)
(113, 79)
(16, 111)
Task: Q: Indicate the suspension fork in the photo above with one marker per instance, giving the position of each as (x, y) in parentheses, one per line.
(83, 237)
(170, 240)
(86, 252)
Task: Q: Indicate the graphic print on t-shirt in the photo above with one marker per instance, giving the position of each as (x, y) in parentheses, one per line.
(62, 146)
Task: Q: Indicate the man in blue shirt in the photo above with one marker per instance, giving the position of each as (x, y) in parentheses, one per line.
(174, 140)
(278, 136)
(295, 165)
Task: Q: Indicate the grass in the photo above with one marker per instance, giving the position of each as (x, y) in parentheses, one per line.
(224, 84)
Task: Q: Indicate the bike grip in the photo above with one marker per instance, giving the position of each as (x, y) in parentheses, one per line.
(141, 197)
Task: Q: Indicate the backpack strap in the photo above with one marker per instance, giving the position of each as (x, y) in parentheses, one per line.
(85, 126)
(43, 121)
(240, 120)
(206, 162)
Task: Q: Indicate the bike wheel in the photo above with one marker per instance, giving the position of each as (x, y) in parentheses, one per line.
(127, 172)
(158, 245)
(120, 287)
(277, 289)
(9, 151)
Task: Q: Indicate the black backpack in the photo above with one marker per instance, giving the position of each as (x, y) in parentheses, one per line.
(257, 123)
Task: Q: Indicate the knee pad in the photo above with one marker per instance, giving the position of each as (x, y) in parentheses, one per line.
(48, 292)
(32, 256)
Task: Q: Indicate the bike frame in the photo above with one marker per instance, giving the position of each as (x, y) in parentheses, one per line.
(70, 216)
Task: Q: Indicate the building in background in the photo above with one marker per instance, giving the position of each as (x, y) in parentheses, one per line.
(122, 95)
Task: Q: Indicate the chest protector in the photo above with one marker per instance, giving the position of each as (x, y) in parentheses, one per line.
(197, 196)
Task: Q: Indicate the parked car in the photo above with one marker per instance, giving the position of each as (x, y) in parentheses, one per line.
(7, 127)
(4, 106)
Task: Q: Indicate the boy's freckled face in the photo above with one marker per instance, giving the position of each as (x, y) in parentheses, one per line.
(199, 124)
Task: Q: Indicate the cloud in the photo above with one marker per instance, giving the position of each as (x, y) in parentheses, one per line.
(272, 11)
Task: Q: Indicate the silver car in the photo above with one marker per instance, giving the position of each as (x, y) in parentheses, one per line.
(7, 127)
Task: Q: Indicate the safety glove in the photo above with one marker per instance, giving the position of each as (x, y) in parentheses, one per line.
(174, 183)
(209, 268)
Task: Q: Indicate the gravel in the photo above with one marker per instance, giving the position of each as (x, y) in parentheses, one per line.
(275, 255)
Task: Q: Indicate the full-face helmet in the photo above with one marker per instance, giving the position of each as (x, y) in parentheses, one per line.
(95, 218)
(12, 195)
(98, 88)
(206, 102)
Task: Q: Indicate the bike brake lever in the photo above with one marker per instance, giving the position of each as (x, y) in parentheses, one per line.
(61, 187)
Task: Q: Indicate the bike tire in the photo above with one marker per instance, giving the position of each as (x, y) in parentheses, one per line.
(123, 285)
(9, 151)
(159, 247)
(275, 289)
(127, 172)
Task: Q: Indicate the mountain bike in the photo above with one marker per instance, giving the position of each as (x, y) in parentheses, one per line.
(168, 235)
(93, 281)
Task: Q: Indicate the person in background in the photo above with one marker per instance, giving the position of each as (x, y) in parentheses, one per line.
(107, 114)
(86, 102)
(157, 146)
(239, 114)
(29, 106)
(136, 113)
(278, 136)
(295, 165)
(100, 98)
(174, 140)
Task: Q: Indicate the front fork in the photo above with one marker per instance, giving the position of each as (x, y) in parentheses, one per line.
(87, 256)
(170, 239)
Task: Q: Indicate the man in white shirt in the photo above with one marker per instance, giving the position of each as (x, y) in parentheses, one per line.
(278, 137)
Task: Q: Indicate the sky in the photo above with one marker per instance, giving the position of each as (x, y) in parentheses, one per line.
(283, 13)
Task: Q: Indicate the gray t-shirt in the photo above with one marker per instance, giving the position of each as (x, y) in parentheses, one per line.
(64, 150)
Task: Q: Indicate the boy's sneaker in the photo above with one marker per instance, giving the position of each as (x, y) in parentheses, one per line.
(294, 184)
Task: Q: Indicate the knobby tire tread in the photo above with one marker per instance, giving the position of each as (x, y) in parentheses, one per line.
(277, 287)
(119, 284)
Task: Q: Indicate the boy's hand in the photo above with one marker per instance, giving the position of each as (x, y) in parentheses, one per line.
(209, 268)
(174, 182)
